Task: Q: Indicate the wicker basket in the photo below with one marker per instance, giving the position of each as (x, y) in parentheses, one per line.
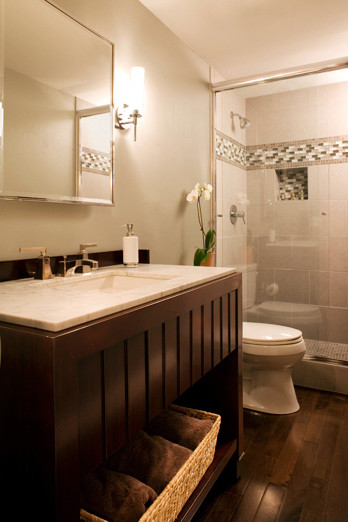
(170, 502)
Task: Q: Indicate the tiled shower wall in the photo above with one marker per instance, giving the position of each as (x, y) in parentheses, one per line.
(230, 182)
(299, 248)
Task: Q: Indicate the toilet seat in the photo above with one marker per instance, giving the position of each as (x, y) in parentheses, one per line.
(271, 339)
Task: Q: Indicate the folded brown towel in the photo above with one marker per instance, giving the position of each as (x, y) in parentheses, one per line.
(180, 428)
(152, 460)
(115, 496)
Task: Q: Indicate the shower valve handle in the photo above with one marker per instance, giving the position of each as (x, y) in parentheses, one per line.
(235, 214)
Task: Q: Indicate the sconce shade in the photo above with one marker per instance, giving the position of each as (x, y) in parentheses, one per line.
(137, 89)
(128, 114)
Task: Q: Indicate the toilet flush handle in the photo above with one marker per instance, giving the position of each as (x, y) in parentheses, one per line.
(235, 214)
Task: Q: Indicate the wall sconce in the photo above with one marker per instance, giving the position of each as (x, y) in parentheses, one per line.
(128, 115)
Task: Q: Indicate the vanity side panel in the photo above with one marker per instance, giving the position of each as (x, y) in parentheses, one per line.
(184, 354)
(233, 322)
(217, 334)
(171, 360)
(136, 383)
(197, 364)
(91, 412)
(116, 407)
(225, 326)
(155, 371)
(207, 323)
(27, 458)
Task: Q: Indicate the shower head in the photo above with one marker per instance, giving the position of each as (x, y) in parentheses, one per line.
(244, 122)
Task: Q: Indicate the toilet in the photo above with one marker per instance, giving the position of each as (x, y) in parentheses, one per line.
(269, 353)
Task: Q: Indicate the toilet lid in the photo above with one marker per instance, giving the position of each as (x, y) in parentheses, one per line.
(270, 334)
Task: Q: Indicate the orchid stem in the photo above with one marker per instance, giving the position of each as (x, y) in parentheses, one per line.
(200, 218)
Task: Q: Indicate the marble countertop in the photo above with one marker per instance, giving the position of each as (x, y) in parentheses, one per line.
(61, 303)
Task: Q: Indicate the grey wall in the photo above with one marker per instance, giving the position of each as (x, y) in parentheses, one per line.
(154, 174)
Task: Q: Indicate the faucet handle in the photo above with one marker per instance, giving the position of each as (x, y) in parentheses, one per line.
(44, 265)
(42, 250)
(83, 247)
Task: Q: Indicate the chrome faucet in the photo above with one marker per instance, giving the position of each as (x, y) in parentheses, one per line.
(43, 270)
(83, 265)
(85, 261)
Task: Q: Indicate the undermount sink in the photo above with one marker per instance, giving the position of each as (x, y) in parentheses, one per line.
(107, 283)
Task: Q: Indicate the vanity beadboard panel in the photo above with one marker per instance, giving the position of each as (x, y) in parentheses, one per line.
(69, 399)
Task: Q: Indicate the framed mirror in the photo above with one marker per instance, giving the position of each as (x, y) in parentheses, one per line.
(56, 94)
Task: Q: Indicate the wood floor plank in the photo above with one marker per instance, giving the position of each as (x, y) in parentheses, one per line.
(270, 504)
(294, 469)
(253, 423)
(288, 456)
(255, 490)
(276, 443)
(255, 452)
(221, 509)
(318, 416)
(318, 487)
(296, 492)
(337, 499)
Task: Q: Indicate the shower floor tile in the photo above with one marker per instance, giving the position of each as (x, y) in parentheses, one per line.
(320, 350)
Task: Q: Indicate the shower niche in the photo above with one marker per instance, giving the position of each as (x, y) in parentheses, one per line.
(293, 183)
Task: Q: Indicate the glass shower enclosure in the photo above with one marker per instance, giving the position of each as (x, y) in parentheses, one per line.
(281, 202)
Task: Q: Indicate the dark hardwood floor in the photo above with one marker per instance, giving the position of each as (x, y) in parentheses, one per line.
(295, 467)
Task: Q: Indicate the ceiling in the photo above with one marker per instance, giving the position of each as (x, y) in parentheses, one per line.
(241, 38)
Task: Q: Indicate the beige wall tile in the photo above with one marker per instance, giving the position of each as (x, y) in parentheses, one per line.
(338, 181)
(265, 278)
(262, 186)
(338, 290)
(313, 182)
(319, 217)
(323, 182)
(291, 217)
(324, 253)
(338, 217)
(275, 254)
(233, 250)
(304, 122)
(251, 131)
(315, 327)
(219, 186)
(319, 288)
(293, 285)
(304, 253)
(338, 325)
(260, 219)
(337, 114)
(339, 254)
(273, 126)
(232, 101)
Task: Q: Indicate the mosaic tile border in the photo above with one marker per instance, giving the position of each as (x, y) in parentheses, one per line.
(95, 161)
(284, 154)
(230, 150)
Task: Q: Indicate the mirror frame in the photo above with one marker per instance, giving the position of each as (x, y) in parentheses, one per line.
(76, 199)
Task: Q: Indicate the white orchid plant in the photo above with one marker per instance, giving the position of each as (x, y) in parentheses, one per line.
(202, 191)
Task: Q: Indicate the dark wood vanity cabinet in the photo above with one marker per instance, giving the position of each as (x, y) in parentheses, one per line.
(70, 399)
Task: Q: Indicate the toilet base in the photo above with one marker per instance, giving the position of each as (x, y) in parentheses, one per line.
(269, 391)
